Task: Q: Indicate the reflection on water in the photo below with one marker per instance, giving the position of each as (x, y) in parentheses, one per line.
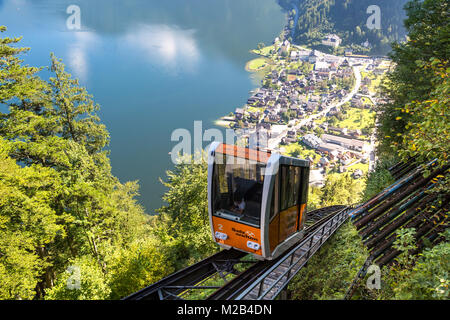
(169, 47)
(153, 66)
(77, 58)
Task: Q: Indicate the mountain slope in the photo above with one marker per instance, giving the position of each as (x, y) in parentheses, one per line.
(348, 19)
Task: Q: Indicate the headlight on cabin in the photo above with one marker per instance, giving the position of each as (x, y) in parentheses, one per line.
(253, 245)
(221, 236)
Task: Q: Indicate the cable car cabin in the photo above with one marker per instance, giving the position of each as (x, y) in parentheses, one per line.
(256, 199)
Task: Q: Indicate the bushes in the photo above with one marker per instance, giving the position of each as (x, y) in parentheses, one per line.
(379, 179)
(138, 266)
(429, 279)
(341, 189)
(331, 270)
(83, 280)
(183, 224)
(424, 278)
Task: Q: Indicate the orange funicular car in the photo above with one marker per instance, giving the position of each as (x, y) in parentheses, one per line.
(257, 199)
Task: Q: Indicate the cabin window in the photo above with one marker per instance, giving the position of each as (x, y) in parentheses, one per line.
(274, 202)
(238, 188)
(304, 185)
(290, 187)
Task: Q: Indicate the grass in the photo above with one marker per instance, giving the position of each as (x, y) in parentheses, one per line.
(375, 84)
(357, 119)
(361, 166)
(320, 120)
(215, 280)
(332, 269)
(255, 109)
(366, 100)
(264, 51)
(301, 151)
(257, 64)
(376, 81)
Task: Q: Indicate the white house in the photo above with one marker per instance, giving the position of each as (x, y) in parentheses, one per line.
(312, 140)
(332, 40)
(321, 65)
(316, 178)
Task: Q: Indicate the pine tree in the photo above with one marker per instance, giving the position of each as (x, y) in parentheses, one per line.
(59, 200)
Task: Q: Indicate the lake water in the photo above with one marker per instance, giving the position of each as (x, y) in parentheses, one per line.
(153, 66)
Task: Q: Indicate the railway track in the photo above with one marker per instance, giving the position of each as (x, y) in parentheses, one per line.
(406, 203)
(258, 279)
(266, 280)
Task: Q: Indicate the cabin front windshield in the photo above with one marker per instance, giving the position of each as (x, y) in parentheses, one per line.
(238, 190)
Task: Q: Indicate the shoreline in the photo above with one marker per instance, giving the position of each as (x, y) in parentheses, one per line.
(267, 57)
(263, 62)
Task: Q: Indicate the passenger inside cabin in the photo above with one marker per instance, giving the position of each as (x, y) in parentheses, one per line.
(239, 204)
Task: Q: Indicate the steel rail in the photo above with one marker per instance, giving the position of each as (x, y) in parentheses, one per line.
(194, 276)
(362, 210)
(187, 278)
(308, 245)
(231, 290)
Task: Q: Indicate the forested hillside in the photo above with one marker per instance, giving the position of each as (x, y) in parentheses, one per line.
(414, 123)
(68, 228)
(348, 19)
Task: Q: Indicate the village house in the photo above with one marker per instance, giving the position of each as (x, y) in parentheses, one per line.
(292, 134)
(366, 44)
(324, 126)
(274, 118)
(332, 40)
(330, 148)
(287, 140)
(338, 130)
(366, 81)
(324, 161)
(311, 106)
(378, 72)
(324, 74)
(313, 56)
(356, 103)
(357, 174)
(321, 65)
(312, 140)
(345, 160)
(365, 90)
(316, 178)
(254, 116)
(259, 138)
(333, 111)
(351, 144)
(355, 133)
(303, 55)
(294, 56)
(239, 113)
